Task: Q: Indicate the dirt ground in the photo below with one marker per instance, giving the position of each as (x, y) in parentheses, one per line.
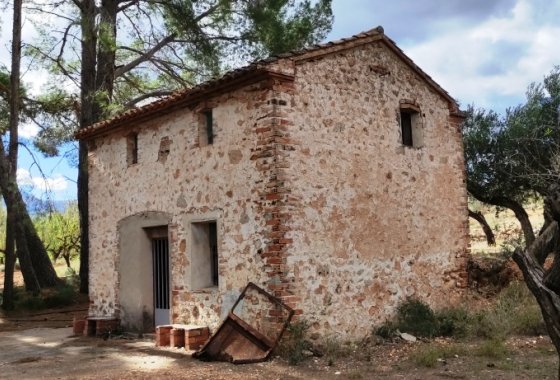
(52, 353)
(40, 345)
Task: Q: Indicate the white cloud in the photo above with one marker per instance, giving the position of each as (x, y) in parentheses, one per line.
(28, 130)
(34, 80)
(55, 183)
(32, 76)
(494, 59)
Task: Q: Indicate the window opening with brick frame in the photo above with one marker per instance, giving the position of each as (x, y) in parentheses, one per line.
(132, 149)
(204, 258)
(206, 128)
(411, 126)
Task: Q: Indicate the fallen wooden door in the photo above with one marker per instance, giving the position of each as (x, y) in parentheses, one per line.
(251, 330)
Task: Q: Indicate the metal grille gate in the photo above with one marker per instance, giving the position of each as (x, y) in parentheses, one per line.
(213, 243)
(160, 264)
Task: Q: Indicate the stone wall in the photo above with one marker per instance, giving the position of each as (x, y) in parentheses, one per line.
(193, 183)
(377, 221)
(316, 198)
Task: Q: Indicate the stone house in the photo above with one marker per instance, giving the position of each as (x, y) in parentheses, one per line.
(333, 177)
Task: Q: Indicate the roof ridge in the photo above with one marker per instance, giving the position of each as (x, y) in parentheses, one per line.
(255, 69)
(378, 30)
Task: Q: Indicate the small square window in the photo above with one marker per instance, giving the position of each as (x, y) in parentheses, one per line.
(132, 149)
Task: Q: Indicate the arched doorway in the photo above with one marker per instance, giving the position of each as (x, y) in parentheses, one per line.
(144, 274)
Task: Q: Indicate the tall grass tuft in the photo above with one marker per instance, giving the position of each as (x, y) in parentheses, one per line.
(294, 342)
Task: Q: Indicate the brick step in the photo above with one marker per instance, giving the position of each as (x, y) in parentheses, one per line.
(191, 337)
(91, 326)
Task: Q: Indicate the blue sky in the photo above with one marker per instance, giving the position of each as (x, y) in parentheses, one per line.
(483, 52)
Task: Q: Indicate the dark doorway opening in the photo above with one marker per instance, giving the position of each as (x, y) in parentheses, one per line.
(160, 268)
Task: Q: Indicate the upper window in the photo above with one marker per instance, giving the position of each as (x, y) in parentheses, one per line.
(406, 128)
(206, 129)
(132, 149)
(411, 126)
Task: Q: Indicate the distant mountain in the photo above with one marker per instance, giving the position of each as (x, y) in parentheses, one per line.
(39, 206)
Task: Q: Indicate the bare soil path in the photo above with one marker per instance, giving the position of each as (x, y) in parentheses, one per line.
(46, 353)
(39, 345)
(52, 353)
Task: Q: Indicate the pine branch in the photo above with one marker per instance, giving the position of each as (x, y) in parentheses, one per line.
(121, 70)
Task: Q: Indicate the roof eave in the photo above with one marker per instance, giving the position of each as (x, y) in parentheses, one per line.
(184, 99)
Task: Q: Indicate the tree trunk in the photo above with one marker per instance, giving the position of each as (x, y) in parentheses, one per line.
(9, 264)
(548, 300)
(514, 206)
(523, 218)
(87, 98)
(10, 254)
(545, 286)
(105, 75)
(83, 208)
(15, 206)
(26, 265)
(36, 267)
(552, 276)
(8, 166)
(97, 79)
(42, 264)
(479, 217)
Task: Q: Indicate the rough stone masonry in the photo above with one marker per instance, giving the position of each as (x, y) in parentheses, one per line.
(316, 193)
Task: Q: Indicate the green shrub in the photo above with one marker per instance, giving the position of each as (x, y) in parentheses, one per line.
(453, 322)
(294, 342)
(515, 311)
(30, 302)
(64, 295)
(386, 330)
(416, 317)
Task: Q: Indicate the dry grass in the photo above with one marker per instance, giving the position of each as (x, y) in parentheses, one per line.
(429, 355)
(504, 224)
